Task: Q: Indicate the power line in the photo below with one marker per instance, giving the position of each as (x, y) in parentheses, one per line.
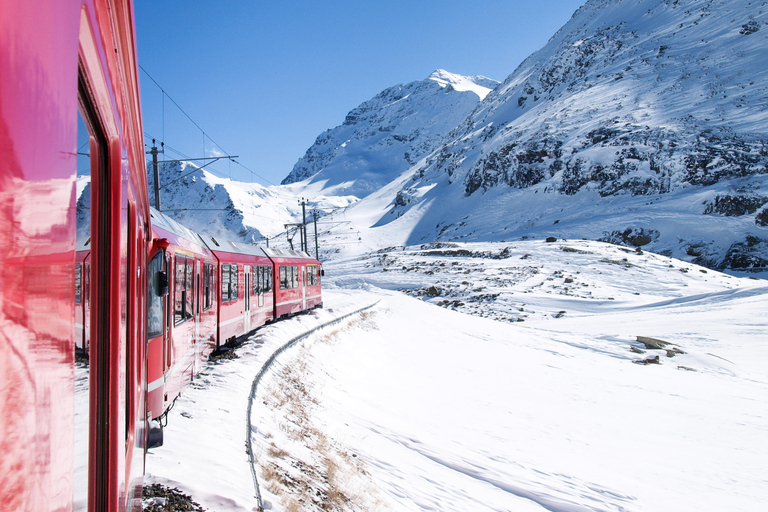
(181, 109)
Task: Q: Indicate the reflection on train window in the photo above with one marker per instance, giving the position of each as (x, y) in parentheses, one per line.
(190, 288)
(228, 282)
(233, 280)
(312, 275)
(267, 277)
(78, 283)
(183, 295)
(207, 286)
(155, 303)
(289, 277)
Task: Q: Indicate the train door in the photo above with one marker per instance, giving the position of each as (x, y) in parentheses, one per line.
(196, 312)
(169, 314)
(247, 294)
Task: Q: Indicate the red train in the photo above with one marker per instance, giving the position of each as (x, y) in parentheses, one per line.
(204, 293)
(141, 299)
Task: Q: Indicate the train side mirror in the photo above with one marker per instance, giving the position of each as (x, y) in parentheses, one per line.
(162, 283)
(322, 272)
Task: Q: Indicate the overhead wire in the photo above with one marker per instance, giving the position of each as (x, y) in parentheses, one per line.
(205, 134)
(212, 170)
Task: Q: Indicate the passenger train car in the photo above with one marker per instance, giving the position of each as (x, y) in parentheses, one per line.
(204, 293)
(66, 64)
(103, 319)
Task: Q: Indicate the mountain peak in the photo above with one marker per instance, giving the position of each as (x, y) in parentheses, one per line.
(478, 84)
(389, 133)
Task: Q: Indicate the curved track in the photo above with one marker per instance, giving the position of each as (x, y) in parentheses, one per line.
(263, 371)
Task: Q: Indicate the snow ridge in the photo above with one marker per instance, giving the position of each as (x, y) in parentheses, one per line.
(387, 134)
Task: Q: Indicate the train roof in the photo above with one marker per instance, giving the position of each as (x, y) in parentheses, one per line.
(220, 245)
(273, 252)
(162, 221)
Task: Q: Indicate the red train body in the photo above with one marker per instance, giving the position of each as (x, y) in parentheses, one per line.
(142, 300)
(58, 60)
(181, 325)
(219, 291)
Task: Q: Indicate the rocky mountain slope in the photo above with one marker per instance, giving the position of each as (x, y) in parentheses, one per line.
(640, 122)
(220, 207)
(389, 133)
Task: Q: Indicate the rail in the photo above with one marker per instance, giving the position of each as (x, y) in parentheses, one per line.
(254, 386)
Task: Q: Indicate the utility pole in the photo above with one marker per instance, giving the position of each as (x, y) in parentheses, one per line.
(154, 151)
(304, 244)
(317, 252)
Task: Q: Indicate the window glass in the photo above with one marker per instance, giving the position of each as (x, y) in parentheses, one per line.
(283, 286)
(233, 281)
(206, 287)
(190, 289)
(179, 290)
(78, 283)
(295, 276)
(225, 282)
(155, 308)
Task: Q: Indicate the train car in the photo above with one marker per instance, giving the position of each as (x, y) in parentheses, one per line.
(64, 65)
(295, 291)
(182, 310)
(246, 292)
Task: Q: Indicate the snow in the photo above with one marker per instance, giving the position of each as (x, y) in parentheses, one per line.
(499, 371)
(479, 85)
(412, 406)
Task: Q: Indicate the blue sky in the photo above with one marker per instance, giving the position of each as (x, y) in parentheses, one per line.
(264, 78)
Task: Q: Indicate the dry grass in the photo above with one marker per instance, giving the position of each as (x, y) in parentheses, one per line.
(326, 477)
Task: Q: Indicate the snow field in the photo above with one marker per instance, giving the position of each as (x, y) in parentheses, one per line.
(421, 406)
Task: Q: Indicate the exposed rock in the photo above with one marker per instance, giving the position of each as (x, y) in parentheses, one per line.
(653, 343)
(736, 205)
(635, 237)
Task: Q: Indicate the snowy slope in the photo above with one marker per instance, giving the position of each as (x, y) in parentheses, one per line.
(639, 122)
(421, 404)
(390, 132)
(230, 209)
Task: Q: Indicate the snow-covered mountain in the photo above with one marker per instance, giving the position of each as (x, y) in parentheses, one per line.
(639, 122)
(390, 132)
(217, 206)
(227, 208)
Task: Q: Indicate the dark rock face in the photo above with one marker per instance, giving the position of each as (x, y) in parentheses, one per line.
(635, 237)
(747, 255)
(736, 205)
(644, 161)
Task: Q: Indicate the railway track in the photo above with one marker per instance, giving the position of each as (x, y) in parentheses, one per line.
(250, 428)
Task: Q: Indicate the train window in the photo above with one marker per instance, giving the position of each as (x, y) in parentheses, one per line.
(233, 280)
(155, 303)
(78, 283)
(229, 278)
(268, 279)
(190, 289)
(207, 285)
(180, 291)
(295, 269)
(311, 275)
(225, 282)
(256, 280)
